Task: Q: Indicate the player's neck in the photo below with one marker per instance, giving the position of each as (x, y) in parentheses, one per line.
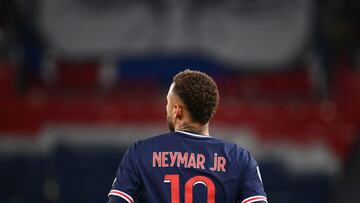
(193, 128)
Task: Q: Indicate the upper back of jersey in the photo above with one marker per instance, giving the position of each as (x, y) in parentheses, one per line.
(185, 167)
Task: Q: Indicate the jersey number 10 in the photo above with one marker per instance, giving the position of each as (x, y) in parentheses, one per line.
(175, 188)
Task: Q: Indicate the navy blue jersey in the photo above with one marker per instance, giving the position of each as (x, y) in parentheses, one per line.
(185, 167)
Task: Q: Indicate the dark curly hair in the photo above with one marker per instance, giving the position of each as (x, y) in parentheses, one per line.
(199, 93)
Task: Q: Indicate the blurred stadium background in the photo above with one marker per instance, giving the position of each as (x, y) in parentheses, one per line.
(80, 80)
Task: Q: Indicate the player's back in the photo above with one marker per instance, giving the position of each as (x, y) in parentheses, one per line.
(185, 167)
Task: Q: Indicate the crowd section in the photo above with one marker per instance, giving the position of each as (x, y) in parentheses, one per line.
(273, 104)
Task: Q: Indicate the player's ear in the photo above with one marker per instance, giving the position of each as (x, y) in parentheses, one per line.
(178, 111)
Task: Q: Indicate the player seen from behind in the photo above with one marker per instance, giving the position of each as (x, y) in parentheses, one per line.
(188, 164)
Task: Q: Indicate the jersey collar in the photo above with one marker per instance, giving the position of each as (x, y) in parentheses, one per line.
(193, 134)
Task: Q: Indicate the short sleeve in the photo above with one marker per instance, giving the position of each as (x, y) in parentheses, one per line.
(251, 186)
(127, 182)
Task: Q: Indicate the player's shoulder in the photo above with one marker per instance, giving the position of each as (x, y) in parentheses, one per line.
(243, 155)
(235, 150)
(152, 140)
(157, 138)
(229, 145)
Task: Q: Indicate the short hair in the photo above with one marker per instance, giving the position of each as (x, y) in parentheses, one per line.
(199, 93)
